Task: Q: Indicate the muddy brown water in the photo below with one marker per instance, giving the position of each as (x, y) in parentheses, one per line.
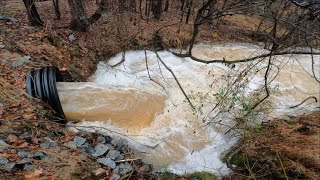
(125, 100)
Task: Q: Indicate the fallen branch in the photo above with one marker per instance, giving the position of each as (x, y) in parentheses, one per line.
(174, 76)
(127, 160)
(311, 97)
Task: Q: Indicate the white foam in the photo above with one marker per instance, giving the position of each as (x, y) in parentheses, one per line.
(184, 144)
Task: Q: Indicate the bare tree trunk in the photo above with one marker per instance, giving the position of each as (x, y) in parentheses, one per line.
(166, 6)
(157, 9)
(57, 9)
(189, 11)
(197, 23)
(33, 15)
(80, 21)
(103, 6)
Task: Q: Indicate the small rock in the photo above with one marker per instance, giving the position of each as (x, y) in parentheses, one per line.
(121, 157)
(100, 149)
(28, 167)
(25, 137)
(3, 144)
(79, 141)
(2, 46)
(9, 166)
(13, 20)
(145, 168)
(38, 155)
(4, 161)
(25, 161)
(1, 150)
(87, 148)
(72, 37)
(21, 61)
(107, 162)
(125, 168)
(2, 17)
(71, 145)
(99, 172)
(113, 154)
(116, 176)
(119, 143)
(23, 153)
(101, 140)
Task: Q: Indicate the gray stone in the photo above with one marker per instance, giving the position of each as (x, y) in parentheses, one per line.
(121, 157)
(3, 144)
(21, 61)
(79, 141)
(25, 161)
(25, 137)
(1, 150)
(28, 167)
(113, 154)
(72, 37)
(23, 153)
(38, 155)
(116, 176)
(4, 161)
(9, 166)
(125, 168)
(2, 46)
(71, 145)
(87, 148)
(119, 142)
(13, 20)
(101, 140)
(2, 17)
(100, 149)
(107, 162)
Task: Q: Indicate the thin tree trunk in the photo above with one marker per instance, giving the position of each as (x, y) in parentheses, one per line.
(166, 7)
(103, 6)
(57, 9)
(189, 11)
(80, 21)
(33, 15)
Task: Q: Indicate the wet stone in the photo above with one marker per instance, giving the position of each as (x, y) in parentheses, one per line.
(39, 155)
(88, 148)
(100, 149)
(28, 167)
(25, 161)
(9, 166)
(23, 153)
(107, 162)
(125, 168)
(116, 176)
(119, 143)
(79, 141)
(4, 161)
(113, 154)
(121, 157)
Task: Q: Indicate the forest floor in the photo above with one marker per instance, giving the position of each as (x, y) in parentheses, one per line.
(33, 146)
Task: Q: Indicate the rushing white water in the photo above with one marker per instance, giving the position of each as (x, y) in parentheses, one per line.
(167, 132)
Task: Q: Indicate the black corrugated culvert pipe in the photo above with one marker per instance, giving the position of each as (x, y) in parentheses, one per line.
(41, 83)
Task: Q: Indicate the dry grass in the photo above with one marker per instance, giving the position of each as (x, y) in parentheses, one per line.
(284, 146)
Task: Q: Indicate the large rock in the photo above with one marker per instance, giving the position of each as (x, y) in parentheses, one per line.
(79, 141)
(113, 154)
(21, 61)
